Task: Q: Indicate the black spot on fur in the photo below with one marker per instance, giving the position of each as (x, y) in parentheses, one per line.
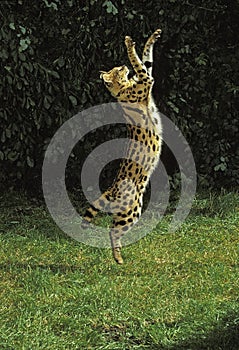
(148, 64)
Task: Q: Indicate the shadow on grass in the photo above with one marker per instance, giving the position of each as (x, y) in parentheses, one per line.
(224, 337)
(54, 268)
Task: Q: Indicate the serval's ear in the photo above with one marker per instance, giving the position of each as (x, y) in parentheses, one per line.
(102, 73)
(107, 81)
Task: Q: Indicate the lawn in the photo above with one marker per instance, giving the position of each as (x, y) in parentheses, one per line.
(175, 291)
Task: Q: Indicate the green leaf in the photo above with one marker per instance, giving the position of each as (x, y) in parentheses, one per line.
(22, 56)
(23, 30)
(4, 54)
(12, 26)
(28, 66)
(8, 133)
(73, 100)
(110, 7)
(19, 175)
(13, 155)
(61, 62)
(30, 162)
(24, 43)
(65, 31)
(130, 15)
(8, 68)
(46, 103)
(201, 60)
(54, 74)
(9, 79)
(51, 4)
(174, 108)
(3, 137)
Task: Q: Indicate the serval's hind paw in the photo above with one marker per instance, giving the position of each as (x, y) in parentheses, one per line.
(85, 224)
(117, 256)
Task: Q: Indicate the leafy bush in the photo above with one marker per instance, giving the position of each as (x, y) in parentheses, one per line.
(52, 51)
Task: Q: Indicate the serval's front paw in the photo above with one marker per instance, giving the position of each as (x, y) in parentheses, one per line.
(129, 42)
(157, 34)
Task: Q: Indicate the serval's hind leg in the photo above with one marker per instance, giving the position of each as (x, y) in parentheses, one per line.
(100, 204)
(122, 223)
(116, 246)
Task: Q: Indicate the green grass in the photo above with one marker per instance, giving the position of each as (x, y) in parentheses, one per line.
(175, 291)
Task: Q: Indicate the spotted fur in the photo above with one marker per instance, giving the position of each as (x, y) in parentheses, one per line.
(125, 197)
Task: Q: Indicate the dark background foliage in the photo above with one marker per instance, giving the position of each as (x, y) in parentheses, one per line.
(51, 53)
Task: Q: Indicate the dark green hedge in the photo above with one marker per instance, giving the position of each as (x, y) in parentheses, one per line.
(51, 53)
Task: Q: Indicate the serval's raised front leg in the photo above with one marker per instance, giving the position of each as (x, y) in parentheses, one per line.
(135, 61)
(147, 57)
